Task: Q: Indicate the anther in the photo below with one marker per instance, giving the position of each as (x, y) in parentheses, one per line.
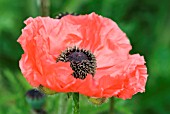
(82, 61)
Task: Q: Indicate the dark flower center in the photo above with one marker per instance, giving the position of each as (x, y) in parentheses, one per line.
(82, 62)
(77, 57)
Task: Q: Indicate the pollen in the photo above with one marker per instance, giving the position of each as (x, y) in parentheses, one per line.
(82, 61)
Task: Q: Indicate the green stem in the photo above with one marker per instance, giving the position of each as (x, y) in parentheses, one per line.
(44, 7)
(111, 109)
(75, 104)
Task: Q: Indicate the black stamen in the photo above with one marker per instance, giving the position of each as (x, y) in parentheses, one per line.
(82, 62)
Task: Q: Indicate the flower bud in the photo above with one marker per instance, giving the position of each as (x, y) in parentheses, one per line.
(35, 99)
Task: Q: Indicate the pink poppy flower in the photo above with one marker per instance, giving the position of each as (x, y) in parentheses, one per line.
(88, 54)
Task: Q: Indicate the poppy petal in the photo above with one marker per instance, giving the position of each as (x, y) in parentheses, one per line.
(129, 78)
(100, 35)
(118, 73)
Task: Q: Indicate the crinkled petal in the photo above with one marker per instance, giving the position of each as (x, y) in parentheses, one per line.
(124, 79)
(100, 35)
(118, 73)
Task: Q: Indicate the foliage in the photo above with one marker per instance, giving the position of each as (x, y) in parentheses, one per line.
(147, 25)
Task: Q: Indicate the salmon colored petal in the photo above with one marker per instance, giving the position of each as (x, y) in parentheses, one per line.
(100, 35)
(118, 73)
(130, 77)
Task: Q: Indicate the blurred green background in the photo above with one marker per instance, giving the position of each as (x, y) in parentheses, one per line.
(146, 23)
